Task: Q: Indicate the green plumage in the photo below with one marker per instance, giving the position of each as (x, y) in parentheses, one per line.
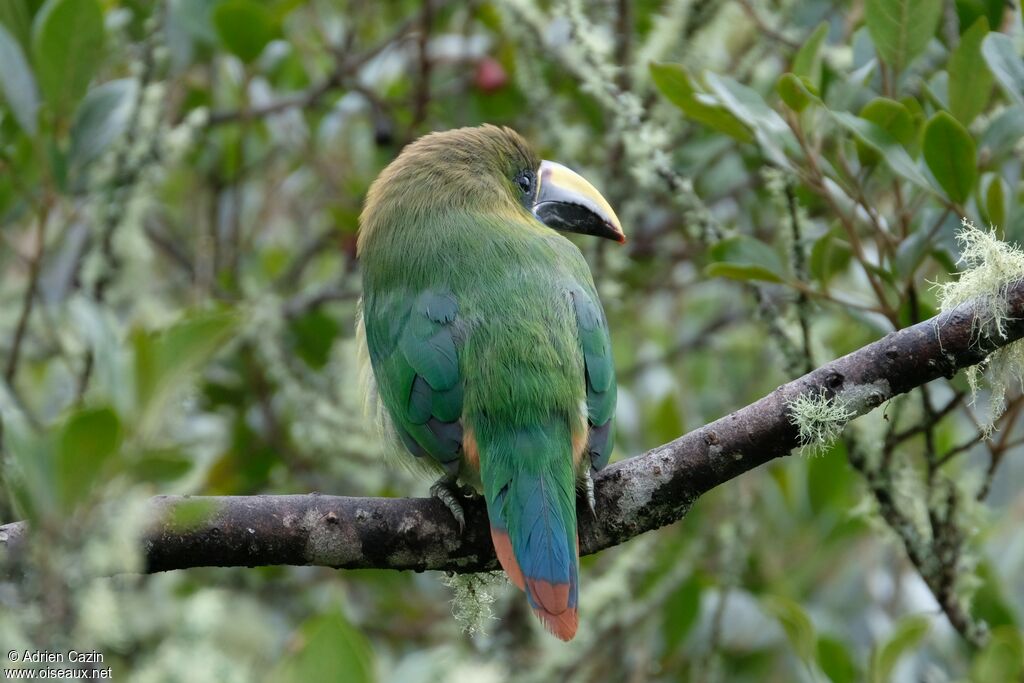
(507, 323)
(484, 324)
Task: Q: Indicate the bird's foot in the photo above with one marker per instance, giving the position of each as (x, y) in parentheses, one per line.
(588, 484)
(447, 490)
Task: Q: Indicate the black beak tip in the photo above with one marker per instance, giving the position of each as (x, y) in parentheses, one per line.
(572, 217)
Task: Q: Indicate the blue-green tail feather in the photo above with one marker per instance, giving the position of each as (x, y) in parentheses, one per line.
(529, 485)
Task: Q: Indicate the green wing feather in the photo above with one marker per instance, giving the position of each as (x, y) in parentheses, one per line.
(596, 345)
(413, 342)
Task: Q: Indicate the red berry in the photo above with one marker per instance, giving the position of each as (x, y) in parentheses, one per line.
(490, 75)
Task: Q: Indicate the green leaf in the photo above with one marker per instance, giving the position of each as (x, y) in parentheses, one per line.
(936, 90)
(100, 119)
(16, 16)
(164, 361)
(837, 662)
(796, 92)
(244, 27)
(994, 191)
(950, 154)
(89, 439)
(1006, 129)
(312, 335)
(968, 11)
(30, 476)
(990, 602)
(327, 646)
(892, 117)
(829, 256)
(17, 83)
(915, 109)
(745, 258)
(189, 31)
(676, 84)
(680, 612)
(970, 81)
(883, 143)
(1002, 659)
(807, 62)
(159, 466)
(67, 44)
(795, 622)
(901, 29)
(58, 159)
(746, 104)
(194, 19)
(907, 634)
(1006, 65)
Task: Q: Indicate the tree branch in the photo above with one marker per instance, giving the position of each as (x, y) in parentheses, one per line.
(633, 496)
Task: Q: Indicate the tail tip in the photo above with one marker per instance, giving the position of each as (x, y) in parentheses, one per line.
(562, 626)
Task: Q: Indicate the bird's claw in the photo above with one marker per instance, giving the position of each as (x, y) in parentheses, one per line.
(589, 487)
(447, 490)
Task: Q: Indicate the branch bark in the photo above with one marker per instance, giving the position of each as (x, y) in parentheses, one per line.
(633, 496)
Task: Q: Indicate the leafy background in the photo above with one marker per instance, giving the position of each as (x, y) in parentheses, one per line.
(180, 184)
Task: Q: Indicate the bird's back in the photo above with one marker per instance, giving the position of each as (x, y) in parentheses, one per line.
(510, 321)
(518, 350)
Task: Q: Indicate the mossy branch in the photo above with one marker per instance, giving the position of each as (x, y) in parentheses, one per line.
(633, 496)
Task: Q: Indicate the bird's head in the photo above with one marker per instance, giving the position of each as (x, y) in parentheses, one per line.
(488, 169)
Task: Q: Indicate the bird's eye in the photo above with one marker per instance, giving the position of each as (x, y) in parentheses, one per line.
(524, 182)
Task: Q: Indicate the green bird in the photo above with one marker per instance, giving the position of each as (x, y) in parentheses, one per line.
(489, 347)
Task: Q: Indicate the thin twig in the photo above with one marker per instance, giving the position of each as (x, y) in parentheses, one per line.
(315, 95)
(29, 297)
(763, 28)
(422, 99)
(951, 405)
(800, 272)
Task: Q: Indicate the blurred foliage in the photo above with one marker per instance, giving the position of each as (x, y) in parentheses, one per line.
(180, 184)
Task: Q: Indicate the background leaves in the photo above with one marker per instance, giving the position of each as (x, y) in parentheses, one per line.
(244, 27)
(18, 83)
(180, 187)
(1005, 63)
(67, 44)
(950, 153)
(901, 28)
(970, 82)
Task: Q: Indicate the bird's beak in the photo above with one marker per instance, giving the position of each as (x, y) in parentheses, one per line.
(566, 201)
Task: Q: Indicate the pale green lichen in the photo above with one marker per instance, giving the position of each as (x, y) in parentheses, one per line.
(992, 267)
(472, 599)
(819, 419)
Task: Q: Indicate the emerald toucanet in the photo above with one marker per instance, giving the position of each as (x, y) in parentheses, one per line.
(488, 343)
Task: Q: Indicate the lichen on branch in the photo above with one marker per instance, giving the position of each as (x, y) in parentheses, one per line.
(820, 420)
(993, 268)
